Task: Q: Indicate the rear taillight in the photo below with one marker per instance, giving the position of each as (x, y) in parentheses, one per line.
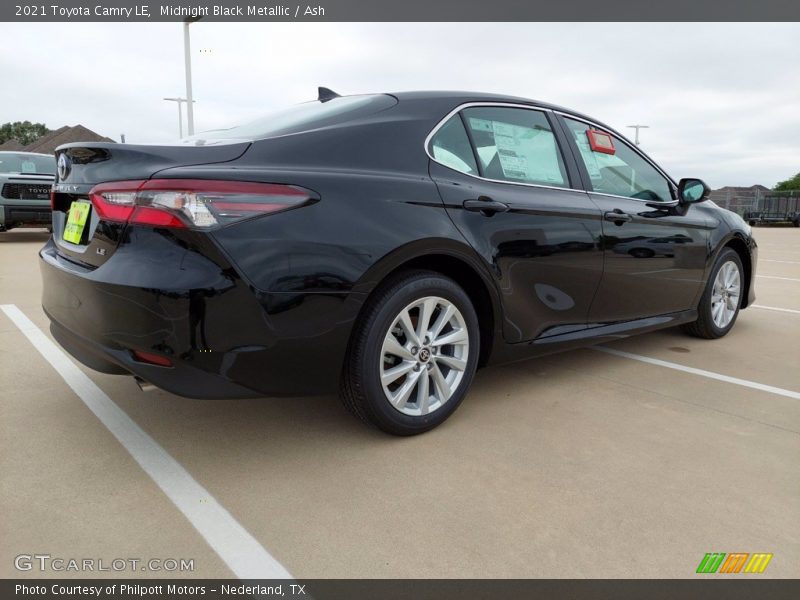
(193, 203)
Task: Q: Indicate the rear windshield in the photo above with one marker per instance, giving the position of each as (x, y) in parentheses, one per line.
(301, 117)
(27, 164)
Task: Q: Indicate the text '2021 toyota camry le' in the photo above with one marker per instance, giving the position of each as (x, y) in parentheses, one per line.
(385, 244)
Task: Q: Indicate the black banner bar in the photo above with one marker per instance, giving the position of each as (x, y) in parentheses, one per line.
(704, 587)
(401, 10)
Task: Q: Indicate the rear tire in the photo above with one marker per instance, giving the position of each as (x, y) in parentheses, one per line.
(722, 298)
(403, 376)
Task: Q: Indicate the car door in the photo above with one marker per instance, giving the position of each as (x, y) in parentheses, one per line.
(507, 187)
(654, 257)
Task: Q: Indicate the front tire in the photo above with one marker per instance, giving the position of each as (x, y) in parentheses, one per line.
(722, 298)
(413, 354)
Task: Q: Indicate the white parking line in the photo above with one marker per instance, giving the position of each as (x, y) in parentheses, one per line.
(788, 310)
(703, 373)
(788, 262)
(234, 545)
(776, 277)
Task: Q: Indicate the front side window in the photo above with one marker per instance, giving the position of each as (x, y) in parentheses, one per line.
(516, 145)
(620, 170)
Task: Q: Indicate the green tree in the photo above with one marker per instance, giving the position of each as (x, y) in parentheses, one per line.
(789, 184)
(24, 132)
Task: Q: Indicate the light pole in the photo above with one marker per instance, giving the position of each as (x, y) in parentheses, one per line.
(187, 57)
(179, 102)
(637, 128)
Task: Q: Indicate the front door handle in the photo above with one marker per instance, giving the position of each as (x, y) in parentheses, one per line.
(617, 216)
(485, 205)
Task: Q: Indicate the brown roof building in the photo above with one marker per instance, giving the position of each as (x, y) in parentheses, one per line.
(50, 141)
(12, 145)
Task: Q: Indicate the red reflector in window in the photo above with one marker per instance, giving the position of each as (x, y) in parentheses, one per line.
(600, 141)
(151, 358)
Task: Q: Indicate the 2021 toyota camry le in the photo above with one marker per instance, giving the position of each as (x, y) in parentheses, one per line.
(386, 245)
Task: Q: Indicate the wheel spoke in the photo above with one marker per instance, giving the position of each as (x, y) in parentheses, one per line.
(425, 313)
(444, 316)
(731, 277)
(395, 348)
(452, 362)
(440, 383)
(402, 395)
(423, 392)
(715, 311)
(408, 328)
(393, 374)
(457, 336)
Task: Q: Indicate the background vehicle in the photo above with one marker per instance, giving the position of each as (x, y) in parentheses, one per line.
(778, 207)
(25, 180)
(385, 244)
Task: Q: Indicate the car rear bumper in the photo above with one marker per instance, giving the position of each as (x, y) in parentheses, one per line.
(224, 339)
(181, 378)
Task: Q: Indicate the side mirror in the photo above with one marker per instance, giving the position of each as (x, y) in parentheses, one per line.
(691, 191)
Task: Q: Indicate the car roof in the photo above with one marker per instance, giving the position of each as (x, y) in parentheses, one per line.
(462, 97)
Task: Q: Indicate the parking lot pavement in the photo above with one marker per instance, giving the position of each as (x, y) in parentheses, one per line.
(583, 464)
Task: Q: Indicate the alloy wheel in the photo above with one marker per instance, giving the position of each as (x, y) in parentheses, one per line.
(725, 294)
(424, 355)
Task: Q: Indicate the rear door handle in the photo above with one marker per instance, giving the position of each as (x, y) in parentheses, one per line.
(485, 205)
(617, 216)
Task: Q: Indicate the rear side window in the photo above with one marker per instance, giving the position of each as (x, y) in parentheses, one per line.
(516, 145)
(302, 117)
(450, 146)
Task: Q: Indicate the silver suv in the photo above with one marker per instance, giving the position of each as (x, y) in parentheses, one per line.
(25, 181)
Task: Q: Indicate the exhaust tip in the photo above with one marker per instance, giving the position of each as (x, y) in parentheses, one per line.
(145, 386)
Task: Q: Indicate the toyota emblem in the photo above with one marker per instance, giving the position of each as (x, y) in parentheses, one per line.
(64, 166)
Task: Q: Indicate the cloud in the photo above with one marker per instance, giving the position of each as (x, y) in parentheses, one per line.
(721, 100)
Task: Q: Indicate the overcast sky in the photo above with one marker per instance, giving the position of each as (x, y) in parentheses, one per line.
(722, 100)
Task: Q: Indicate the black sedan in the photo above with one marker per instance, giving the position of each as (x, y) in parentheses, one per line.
(386, 245)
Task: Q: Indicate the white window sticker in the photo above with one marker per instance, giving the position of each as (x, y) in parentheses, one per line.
(526, 153)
